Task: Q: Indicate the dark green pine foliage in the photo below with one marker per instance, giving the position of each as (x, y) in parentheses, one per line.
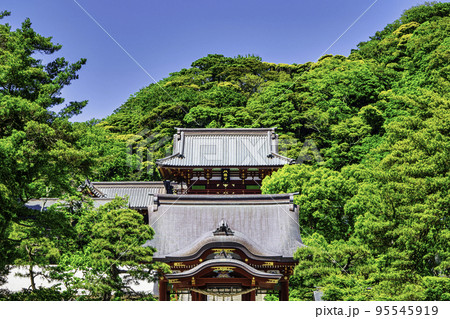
(38, 153)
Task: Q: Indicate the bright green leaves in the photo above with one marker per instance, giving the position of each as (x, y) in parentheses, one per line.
(37, 141)
(39, 238)
(322, 199)
(428, 11)
(341, 269)
(415, 48)
(276, 106)
(37, 153)
(383, 186)
(22, 75)
(113, 238)
(398, 210)
(216, 92)
(340, 83)
(108, 152)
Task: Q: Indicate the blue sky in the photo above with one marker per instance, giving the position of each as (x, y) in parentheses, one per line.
(166, 36)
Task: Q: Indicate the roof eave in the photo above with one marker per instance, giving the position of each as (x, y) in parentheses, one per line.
(220, 166)
(159, 161)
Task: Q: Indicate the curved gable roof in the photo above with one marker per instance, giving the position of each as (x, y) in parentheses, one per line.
(223, 262)
(267, 222)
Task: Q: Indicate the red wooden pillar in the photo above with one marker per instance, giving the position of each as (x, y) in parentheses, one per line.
(284, 292)
(163, 290)
(196, 296)
(250, 296)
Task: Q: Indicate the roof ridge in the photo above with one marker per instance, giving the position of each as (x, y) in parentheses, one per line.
(225, 131)
(127, 182)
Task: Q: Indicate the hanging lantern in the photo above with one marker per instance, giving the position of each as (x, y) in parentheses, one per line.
(243, 174)
(208, 174)
(262, 173)
(225, 175)
(189, 174)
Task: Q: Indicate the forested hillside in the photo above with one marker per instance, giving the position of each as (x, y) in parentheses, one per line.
(375, 213)
(343, 104)
(374, 210)
(370, 132)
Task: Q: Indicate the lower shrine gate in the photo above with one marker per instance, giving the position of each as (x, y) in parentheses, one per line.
(232, 246)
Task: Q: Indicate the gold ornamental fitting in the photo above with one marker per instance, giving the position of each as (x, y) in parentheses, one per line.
(223, 268)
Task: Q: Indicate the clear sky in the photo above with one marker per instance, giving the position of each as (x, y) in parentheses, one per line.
(166, 36)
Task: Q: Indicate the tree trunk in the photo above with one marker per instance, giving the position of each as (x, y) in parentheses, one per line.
(106, 296)
(117, 288)
(31, 274)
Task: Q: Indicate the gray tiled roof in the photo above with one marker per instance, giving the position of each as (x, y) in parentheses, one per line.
(44, 203)
(225, 148)
(139, 193)
(266, 225)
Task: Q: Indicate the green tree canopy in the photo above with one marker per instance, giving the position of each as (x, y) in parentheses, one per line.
(112, 253)
(38, 155)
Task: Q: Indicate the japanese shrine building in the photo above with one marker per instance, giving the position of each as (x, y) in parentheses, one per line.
(219, 235)
(222, 161)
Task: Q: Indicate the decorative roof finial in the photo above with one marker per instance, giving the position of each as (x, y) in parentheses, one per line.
(223, 229)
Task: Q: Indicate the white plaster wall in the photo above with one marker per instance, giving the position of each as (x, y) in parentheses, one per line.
(15, 283)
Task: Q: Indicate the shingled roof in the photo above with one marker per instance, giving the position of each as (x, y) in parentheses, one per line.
(45, 203)
(238, 147)
(263, 225)
(139, 193)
